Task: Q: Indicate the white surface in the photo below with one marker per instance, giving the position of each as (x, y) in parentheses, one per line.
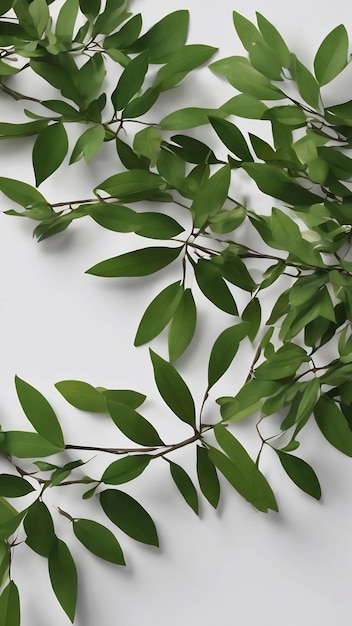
(233, 566)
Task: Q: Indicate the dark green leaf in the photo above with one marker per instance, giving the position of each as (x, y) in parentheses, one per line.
(184, 485)
(333, 425)
(147, 143)
(39, 412)
(331, 57)
(284, 363)
(213, 286)
(135, 183)
(110, 18)
(224, 351)
(173, 389)
(232, 137)
(278, 184)
(98, 540)
(115, 217)
(246, 31)
(126, 469)
(14, 486)
(182, 326)
(130, 82)
(301, 473)
(181, 63)
(133, 424)
(10, 526)
(90, 8)
(39, 528)
(63, 577)
(126, 36)
(10, 606)
(157, 226)
(207, 477)
(133, 399)
(252, 314)
(49, 150)
(158, 313)
(25, 195)
(129, 516)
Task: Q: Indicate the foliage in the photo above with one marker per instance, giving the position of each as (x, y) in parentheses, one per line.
(306, 169)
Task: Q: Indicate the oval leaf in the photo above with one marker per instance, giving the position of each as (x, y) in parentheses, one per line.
(126, 513)
(63, 577)
(126, 469)
(133, 424)
(158, 313)
(184, 485)
(49, 151)
(98, 540)
(301, 473)
(137, 263)
(39, 412)
(173, 389)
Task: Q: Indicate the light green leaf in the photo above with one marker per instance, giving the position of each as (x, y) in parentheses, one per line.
(246, 31)
(189, 117)
(49, 151)
(147, 143)
(183, 325)
(273, 38)
(126, 469)
(331, 57)
(241, 75)
(126, 35)
(301, 473)
(181, 63)
(173, 389)
(27, 445)
(184, 485)
(98, 540)
(39, 12)
(63, 577)
(66, 20)
(244, 105)
(111, 17)
(129, 516)
(207, 477)
(284, 363)
(133, 399)
(88, 144)
(25, 195)
(10, 606)
(133, 424)
(307, 85)
(39, 412)
(137, 263)
(158, 313)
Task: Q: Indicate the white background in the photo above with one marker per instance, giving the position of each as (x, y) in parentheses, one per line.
(232, 566)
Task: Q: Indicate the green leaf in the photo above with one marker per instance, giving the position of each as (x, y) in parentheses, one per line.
(10, 526)
(133, 399)
(63, 577)
(158, 313)
(9, 130)
(98, 540)
(6, 5)
(301, 473)
(88, 144)
(133, 424)
(49, 151)
(110, 18)
(14, 486)
(10, 606)
(173, 389)
(39, 12)
(126, 469)
(307, 85)
(246, 477)
(66, 20)
(82, 396)
(207, 477)
(182, 326)
(115, 217)
(27, 445)
(273, 38)
(126, 36)
(184, 485)
(130, 81)
(265, 60)
(252, 314)
(133, 184)
(284, 363)
(224, 351)
(157, 226)
(241, 75)
(213, 286)
(165, 37)
(277, 183)
(25, 195)
(232, 138)
(90, 8)
(147, 143)
(181, 63)
(189, 117)
(137, 263)
(246, 31)
(244, 105)
(39, 412)
(331, 57)
(129, 516)
(4, 562)
(333, 425)
(39, 528)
